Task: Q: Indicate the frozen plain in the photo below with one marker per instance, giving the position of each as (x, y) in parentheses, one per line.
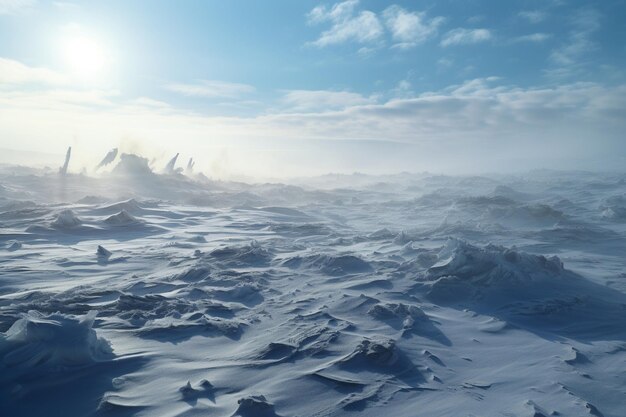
(142, 294)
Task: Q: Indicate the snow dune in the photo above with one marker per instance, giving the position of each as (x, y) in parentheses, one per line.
(400, 295)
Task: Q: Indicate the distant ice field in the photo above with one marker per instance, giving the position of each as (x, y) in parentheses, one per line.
(141, 294)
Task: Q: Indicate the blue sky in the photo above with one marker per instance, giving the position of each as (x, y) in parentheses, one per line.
(319, 86)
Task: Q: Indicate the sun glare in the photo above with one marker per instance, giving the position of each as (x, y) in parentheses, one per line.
(84, 56)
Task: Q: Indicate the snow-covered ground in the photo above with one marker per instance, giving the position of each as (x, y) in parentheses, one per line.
(141, 294)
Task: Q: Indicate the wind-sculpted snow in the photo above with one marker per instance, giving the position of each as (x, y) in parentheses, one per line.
(123, 218)
(40, 350)
(614, 208)
(532, 290)
(248, 255)
(329, 264)
(55, 341)
(130, 206)
(400, 295)
(66, 219)
(493, 265)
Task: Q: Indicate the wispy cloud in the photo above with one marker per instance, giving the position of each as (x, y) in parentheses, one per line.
(15, 6)
(533, 16)
(15, 73)
(579, 41)
(475, 114)
(323, 100)
(347, 24)
(533, 37)
(477, 110)
(403, 89)
(445, 62)
(462, 36)
(211, 89)
(148, 102)
(409, 29)
(66, 6)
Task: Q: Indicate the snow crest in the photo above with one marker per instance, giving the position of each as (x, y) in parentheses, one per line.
(53, 341)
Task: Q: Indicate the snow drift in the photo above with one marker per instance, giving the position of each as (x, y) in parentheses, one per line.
(55, 341)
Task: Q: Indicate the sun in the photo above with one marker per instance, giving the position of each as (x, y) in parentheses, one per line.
(84, 56)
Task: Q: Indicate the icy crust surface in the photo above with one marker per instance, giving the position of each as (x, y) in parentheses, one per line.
(145, 294)
(493, 265)
(52, 341)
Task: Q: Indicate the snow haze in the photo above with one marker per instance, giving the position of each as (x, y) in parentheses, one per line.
(295, 208)
(304, 88)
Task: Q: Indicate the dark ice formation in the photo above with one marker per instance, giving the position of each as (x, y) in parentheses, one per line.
(170, 167)
(68, 155)
(108, 158)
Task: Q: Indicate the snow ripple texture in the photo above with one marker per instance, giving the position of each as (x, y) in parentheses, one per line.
(147, 294)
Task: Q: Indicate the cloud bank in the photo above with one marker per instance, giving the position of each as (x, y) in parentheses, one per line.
(572, 121)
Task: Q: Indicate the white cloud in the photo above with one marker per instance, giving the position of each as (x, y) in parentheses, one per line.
(445, 62)
(15, 6)
(62, 99)
(212, 89)
(322, 100)
(473, 111)
(410, 28)
(474, 20)
(348, 25)
(339, 11)
(533, 16)
(13, 73)
(404, 89)
(462, 36)
(148, 102)
(584, 24)
(455, 122)
(533, 37)
(66, 6)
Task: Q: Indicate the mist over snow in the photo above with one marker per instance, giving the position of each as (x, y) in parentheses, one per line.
(151, 292)
(574, 126)
(336, 208)
(343, 87)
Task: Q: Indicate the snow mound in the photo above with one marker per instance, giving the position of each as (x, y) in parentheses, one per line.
(66, 219)
(305, 229)
(614, 213)
(54, 341)
(129, 206)
(285, 211)
(372, 361)
(379, 353)
(248, 255)
(308, 340)
(408, 315)
(255, 406)
(194, 274)
(527, 215)
(495, 274)
(188, 392)
(571, 233)
(510, 193)
(91, 199)
(197, 239)
(330, 265)
(614, 208)
(492, 265)
(382, 234)
(123, 218)
(486, 201)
